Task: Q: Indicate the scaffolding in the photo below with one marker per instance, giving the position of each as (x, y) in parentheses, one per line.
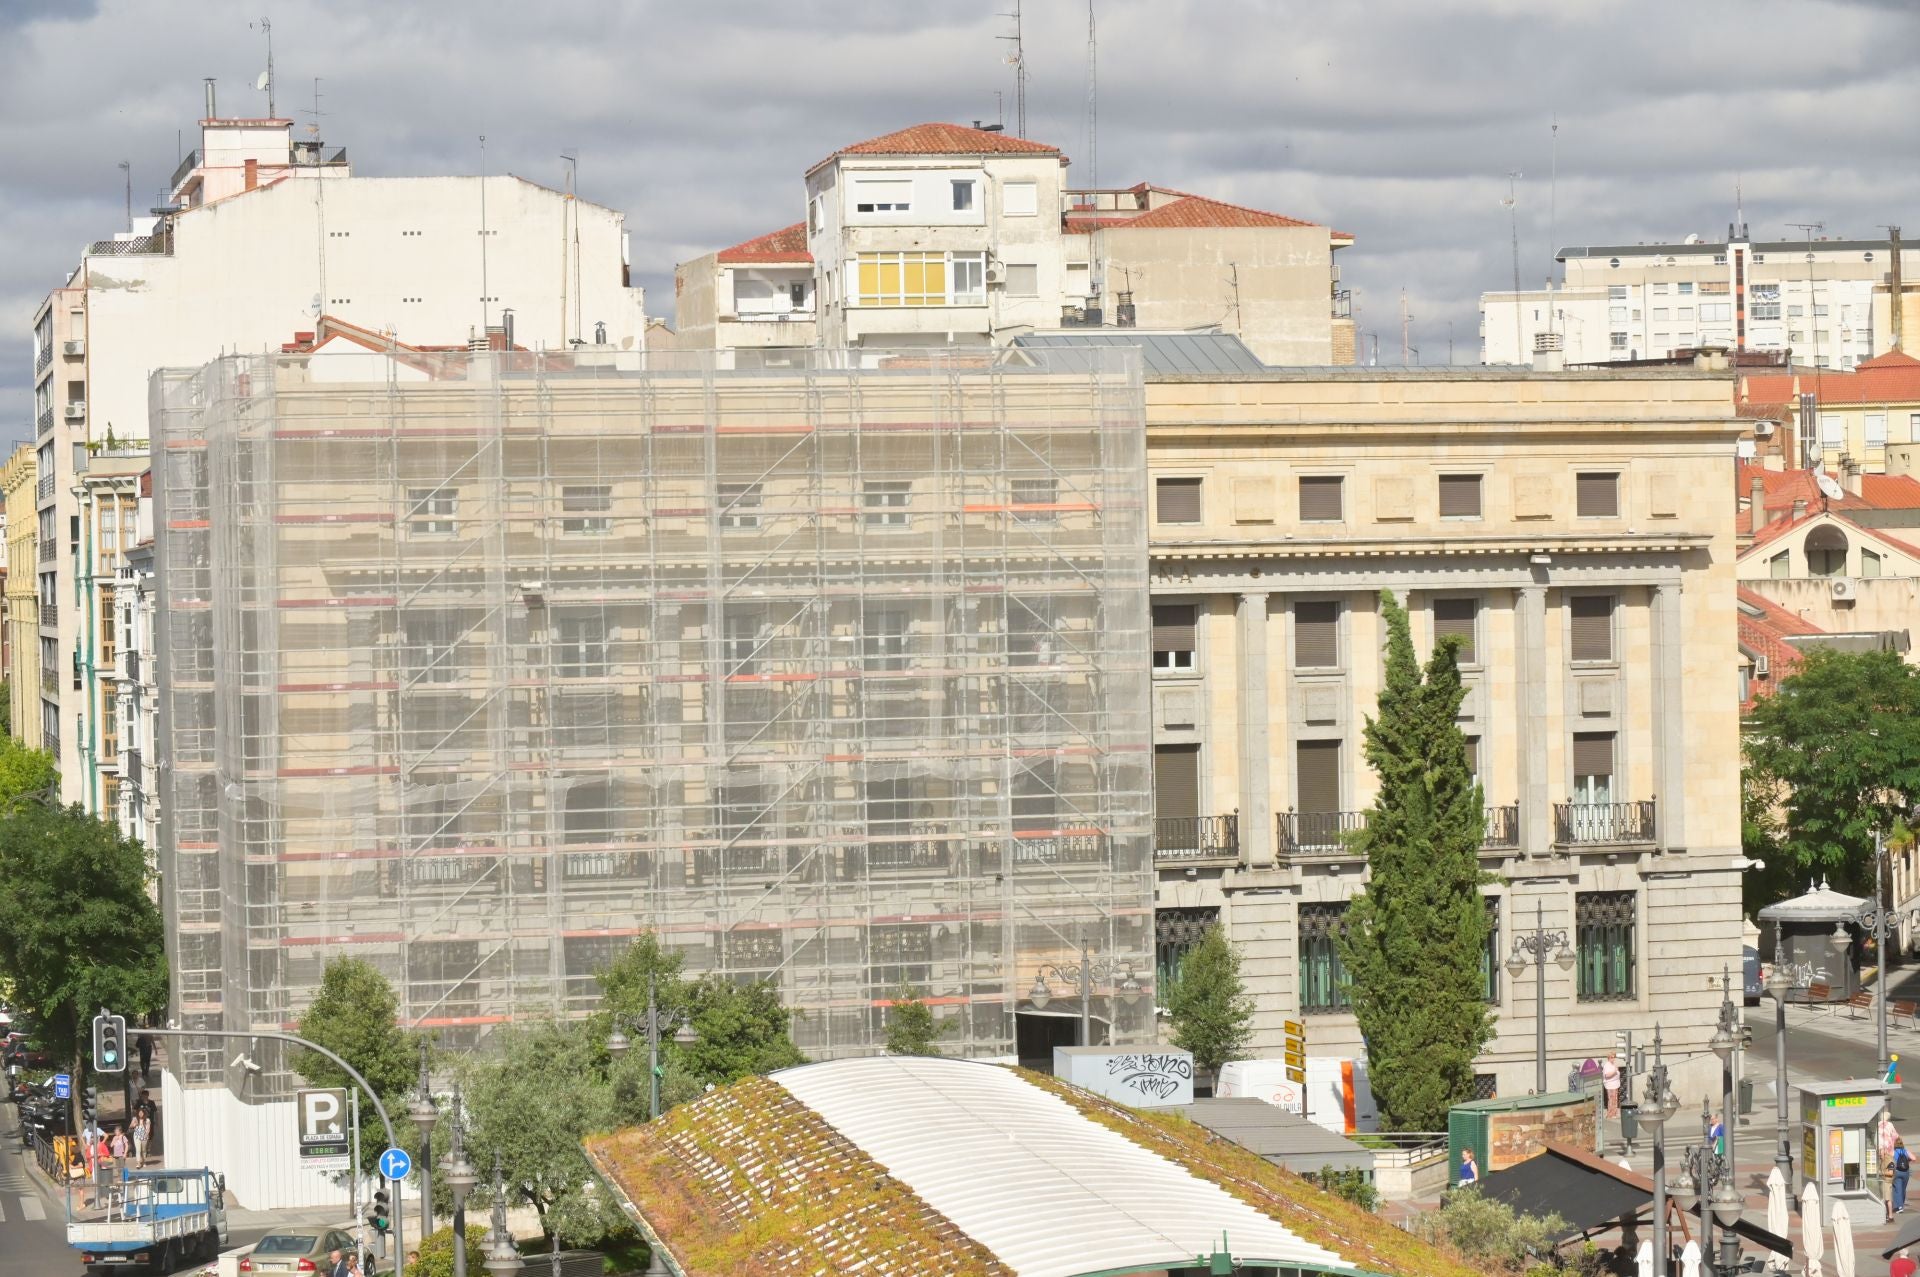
(478, 666)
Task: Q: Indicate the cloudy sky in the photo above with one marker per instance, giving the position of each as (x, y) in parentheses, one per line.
(1397, 120)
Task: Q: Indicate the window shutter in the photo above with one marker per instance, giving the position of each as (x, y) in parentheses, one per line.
(1593, 753)
(1455, 616)
(1177, 500)
(1592, 627)
(1173, 627)
(1459, 496)
(1176, 782)
(1597, 495)
(1316, 635)
(1319, 776)
(1473, 754)
(1320, 498)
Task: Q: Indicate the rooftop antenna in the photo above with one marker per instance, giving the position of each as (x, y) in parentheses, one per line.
(1018, 61)
(320, 299)
(570, 243)
(1406, 329)
(1553, 221)
(1511, 204)
(483, 234)
(1096, 269)
(266, 78)
(126, 167)
(1739, 207)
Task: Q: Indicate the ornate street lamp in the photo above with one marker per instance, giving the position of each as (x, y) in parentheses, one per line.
(502, 1258)
(1083, 973)
(1781, 982)
(1661, 1104)
(460, 1176)
(1535, 947)
(424, 1114)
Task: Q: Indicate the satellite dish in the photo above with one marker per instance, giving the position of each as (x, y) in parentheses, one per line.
(261, 83)
(1828, 487)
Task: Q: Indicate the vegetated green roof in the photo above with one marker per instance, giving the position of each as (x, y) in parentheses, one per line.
(747, 1181)
(1362, 1238)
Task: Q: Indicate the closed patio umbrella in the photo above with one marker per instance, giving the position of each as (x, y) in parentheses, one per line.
(1811, 1239)
(1842, 1241)
(1777, 1219)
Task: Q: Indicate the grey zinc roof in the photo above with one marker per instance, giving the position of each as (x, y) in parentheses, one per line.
(1283, 1138)
(1161, 352)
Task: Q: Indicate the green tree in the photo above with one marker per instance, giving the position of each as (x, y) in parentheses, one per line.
(532, 1098)
(78, 930)
(436, 1252)
(911, 1027)
(1209, 1007)
(6, 709)
(743, 1030)
(25, 774)
(356, 1015)
(623, 987)
(1831, 756)
(1413, 940)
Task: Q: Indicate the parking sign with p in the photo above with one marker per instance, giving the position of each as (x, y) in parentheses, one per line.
(324, 1137)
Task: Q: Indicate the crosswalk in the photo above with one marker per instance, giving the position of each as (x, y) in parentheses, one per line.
(17, 1191)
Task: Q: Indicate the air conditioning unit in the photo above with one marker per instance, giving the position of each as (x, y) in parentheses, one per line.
(1842, 587)
(1762, 667)
(993, 272)
(76, 412)
(74, 349)
(1763, 430)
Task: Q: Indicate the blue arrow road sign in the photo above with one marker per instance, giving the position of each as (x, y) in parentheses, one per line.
(394, 1163)
(63, 1086)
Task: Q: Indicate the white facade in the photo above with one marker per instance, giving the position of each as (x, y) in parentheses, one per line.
(1645, 301)
(259, 237)
(136, 690)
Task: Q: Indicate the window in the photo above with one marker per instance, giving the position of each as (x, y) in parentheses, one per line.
(1616, 341)
(1176, 500)
(1023, 279)
(876, 196)
(430, 511)
(1176, 797)
(1763, 301)
(1316, 635)
(1173, 636)
(1020, 199)
(1796, 312)
(1323, 977)
(1869, 562)
(1659, 314)
(1833, 430)
(1616, 292)
(739, 506)
(883, 638)
(1490, 955)
(433, 640)
(969, 280)
(1685, 315)
(1616, 314)
(1590, 627)
(580, 644)
(1037, 496)
(1459, 496)
(1456, 618)
(1715, 312)
(585, 507)
(903, 279)
(1659, 290)
(1913, 426)
(1175, 934)
(1603, 927)
(886, 503)
(1683, 290)
(1714, 288)
(1819, 311)
(1592, 771)
(1597, 495)
(963, 195)
(1030, 632)
(1779, 566)
(1876, 430)
(1320, 498)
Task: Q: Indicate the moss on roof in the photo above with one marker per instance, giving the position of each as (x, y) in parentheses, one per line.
(1360, 1237)
(747, 1181)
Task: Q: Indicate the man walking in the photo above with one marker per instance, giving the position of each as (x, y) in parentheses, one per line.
(1610, 1079)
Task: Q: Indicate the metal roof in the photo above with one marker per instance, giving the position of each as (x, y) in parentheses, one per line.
(1163, 352)
(1049, 1192)
(1283, 1138)
(1822, 904)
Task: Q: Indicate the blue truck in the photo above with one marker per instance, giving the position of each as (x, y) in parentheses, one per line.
(147, 1221)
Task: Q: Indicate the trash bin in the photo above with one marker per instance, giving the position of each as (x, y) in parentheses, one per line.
(1629, 1122)
(1746, 1095)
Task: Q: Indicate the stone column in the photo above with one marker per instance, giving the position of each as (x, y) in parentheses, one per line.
(1256, 746)
(1669, 719)
(1530, 675)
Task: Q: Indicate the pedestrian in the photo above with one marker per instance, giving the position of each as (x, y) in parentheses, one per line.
(140, 1129)
(102, 1169)
(1884, 1137)
(1903, 1265)
(120, 1144)
(1610, 1079)
(337, 1264)
(1902, 1167)
(1717, 1135)
(1469, 1173)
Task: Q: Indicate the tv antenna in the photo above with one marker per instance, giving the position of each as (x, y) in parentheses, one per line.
(1018, 61)
(1511, 203)
(265, 26)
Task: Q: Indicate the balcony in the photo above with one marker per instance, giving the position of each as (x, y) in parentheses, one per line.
(1502, 827)
(49, 616)
(44, 422)
(44, 357)
(1602, 824)
(1196, 840)
(1330, 833)
(132, 656)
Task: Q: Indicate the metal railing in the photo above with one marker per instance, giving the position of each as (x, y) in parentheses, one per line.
(1583, 824)
(44, 488)
(186, 166)
(160, 243)
(44, 357)
(1317, 833)
(49, 615)
(1503, 827)
(1178, 839)
(44, 423)
(48, 551)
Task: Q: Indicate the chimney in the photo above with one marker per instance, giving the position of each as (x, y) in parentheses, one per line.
(1850, 475)
(496, 337)
(253, 174)
(211, 113)
(506, 328)
(1799, 507)
(1894, 289)
(1757, 505)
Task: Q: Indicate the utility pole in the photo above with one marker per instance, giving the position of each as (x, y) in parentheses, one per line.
(1513, 225)
(126, 167)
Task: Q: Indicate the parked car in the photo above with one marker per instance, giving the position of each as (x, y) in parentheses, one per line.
(1750, 977)
(297, 1250)
(29, 1054)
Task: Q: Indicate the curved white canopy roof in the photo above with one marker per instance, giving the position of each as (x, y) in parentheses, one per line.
(1822, 904)
(1050, 1192)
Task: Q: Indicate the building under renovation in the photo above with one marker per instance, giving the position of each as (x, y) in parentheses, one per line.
(477, 666)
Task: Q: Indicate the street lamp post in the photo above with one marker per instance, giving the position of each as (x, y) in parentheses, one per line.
(502, 1258)
(1781, 981)
(1661, 1103)
(1724, 1198)
(1535, 947)
(1874, 918)
(459, 1176)
(1083, 973)
(424, 1114)
(618, 1044)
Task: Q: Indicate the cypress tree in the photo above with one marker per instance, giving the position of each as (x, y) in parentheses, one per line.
(1413, 940)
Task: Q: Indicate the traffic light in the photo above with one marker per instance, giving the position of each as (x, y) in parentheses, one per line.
(378, 1214)
(109, 1043)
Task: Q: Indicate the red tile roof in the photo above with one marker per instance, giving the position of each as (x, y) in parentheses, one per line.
(1766, 635)
(788, 244)
(1780, 527)
(943, 139)
(1890, 378)
(1784, 487)
(1198, 211)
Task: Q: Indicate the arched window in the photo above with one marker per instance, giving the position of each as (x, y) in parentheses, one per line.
(1826, 550)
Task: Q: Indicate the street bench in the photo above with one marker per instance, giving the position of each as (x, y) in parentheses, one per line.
(1910, 1010)
(1861, 1001)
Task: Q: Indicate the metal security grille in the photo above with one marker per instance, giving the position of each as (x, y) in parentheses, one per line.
(1456, 617)
(1177, 500)
(1459, 496)
(1590, 620)
(1597, 495)
(1320, 498)
(1604, 924)
(1323, 976)
(1175, 933)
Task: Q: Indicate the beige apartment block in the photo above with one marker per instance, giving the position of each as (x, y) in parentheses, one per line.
(1556, 521)
(17, 481)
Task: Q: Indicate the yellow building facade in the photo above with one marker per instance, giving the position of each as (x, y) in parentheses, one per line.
(17, 481)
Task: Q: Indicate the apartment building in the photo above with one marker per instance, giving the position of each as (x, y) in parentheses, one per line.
(256, 236)
(1829, 303)
(136, 687)
(17, 483)
(835, 676)
(1545, 519)
(1866, 419)
(945, 235)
